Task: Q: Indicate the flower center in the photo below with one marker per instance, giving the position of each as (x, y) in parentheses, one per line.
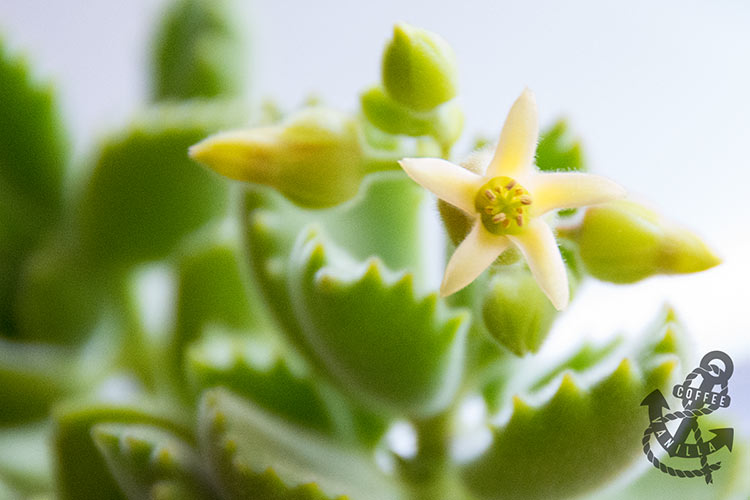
(503, 205)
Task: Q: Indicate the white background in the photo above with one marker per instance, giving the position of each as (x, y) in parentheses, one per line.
(658, 90)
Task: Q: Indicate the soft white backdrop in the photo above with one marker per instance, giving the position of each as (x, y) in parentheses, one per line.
(658, 91)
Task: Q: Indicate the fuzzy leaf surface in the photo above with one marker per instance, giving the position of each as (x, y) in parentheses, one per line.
(256, 456)
(552, 445)
(373, 333)
(148, 462)
(145, 194)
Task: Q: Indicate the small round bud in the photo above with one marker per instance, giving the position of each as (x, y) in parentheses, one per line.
(419, 68)
(516, 311)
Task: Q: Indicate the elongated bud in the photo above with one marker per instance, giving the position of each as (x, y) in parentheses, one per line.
(314, 158)
(624, 242)
(419, 68)
(516, 312)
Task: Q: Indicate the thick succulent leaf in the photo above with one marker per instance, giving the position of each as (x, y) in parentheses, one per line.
(60, 299)
(33, 158)
(32, 377)
(145, 194)
(212, 291)
(558, 150)
(256, 456)
(199, 51)
(81, 471)
(24, 458)
(275, 379)
(148, 462)
(730, 482)
(371, 331)
(383, 220)
(262, 372)
(33, 144)
(577, 431)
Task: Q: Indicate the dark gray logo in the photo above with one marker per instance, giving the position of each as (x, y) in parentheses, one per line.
(704, 391)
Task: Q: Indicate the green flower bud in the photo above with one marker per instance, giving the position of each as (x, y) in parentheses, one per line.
(516, 312)
(624, 242)
(419, 68)
(314, 158)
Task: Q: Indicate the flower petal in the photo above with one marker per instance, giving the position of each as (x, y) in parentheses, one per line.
(570, 190)
(539, 247)
(475, 253)
(515, 151)
(446, 180)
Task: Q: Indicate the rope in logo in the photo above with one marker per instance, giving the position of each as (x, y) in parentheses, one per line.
(706, 468)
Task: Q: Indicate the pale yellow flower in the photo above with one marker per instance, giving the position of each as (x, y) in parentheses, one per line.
(508, 202)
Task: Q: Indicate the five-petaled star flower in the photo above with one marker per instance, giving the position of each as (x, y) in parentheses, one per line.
(508, 202)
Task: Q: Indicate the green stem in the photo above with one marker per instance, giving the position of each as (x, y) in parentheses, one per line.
(134, 350)
(430, 474)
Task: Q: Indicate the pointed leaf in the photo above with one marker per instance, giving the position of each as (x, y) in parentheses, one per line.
(585, 433)
(81, 472)
(373, 334)
(147, 462)
(255, 456)
(145, 194)
(261, 372)
(33, 158)
(382, 220)
(33, 144)
(558, 150)
(60, 299)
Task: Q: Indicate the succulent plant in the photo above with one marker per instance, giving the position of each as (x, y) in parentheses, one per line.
(296, 347)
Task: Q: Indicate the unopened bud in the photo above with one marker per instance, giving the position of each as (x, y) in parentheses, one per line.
(516, 311)
(419, 68)
(314, 158)
(624, 242)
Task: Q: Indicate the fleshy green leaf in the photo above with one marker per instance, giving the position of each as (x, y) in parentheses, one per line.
(731, 482)
(60, 299)
(33, 144)
(551, 446)
(558, 150)
(145, 194)
(199, 51)
(373, 334)
(33, 158)
(81, 472)
(383, 220)
(255, 456)
(213, 291)
(32, 377)
(257, 370)
(148, 462)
